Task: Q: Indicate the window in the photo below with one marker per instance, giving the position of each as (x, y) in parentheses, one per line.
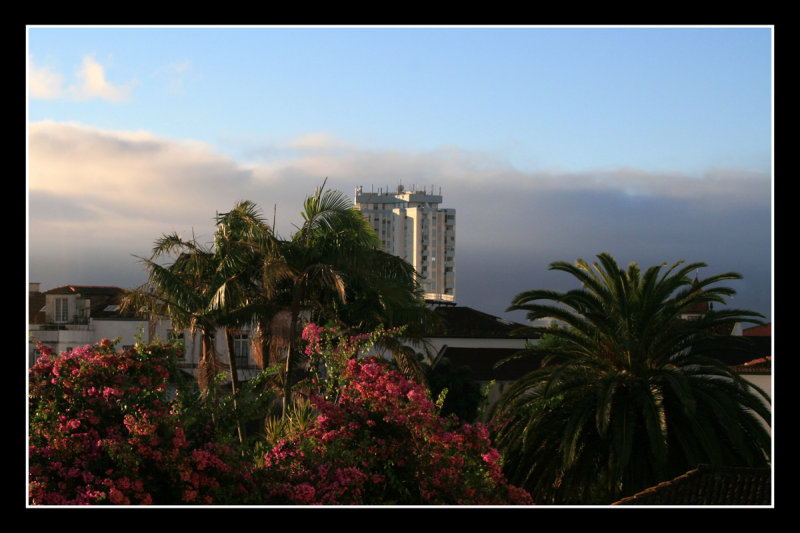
(241, 350)
(62, 313)
(178, 336)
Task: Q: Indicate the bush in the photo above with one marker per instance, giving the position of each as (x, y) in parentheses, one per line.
(378, 439)
(101, 431)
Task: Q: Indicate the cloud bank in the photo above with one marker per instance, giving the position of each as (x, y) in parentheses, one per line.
(98, 198)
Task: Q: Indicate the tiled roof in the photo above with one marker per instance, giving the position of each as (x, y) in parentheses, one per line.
(736, 350)
(86, 290)
(481, 363)
(762, 365)
(758, 331)
(707, 485)
(104, 300)
(460, 321)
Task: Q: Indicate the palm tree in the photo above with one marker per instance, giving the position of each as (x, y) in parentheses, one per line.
(627, 397)
(241, 240)
(334, 270)
(308, 267)
(181, 291)
(382, 290)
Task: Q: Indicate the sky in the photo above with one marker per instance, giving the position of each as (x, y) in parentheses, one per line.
(654, 144)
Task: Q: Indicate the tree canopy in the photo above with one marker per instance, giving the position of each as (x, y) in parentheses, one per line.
(627, 396)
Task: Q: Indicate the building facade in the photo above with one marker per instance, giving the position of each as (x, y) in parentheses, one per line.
(412, 225)
(72, 316)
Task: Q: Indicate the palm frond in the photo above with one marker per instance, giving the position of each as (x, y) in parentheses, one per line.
(630, 393)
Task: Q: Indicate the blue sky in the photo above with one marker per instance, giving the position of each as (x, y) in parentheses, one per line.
(654, 144)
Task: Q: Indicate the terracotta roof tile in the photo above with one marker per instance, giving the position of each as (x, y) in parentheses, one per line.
(707, 485)
(460, 321)
(758, 331)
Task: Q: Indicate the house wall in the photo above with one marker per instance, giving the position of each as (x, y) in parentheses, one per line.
(57, 339)
(433, 345)
(128, 331)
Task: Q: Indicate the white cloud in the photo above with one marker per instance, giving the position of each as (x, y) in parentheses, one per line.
(93, 84)
(44, 83)
(90, 83)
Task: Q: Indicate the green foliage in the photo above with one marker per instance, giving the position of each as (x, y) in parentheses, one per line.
(464, 396)
(626, 397)
(379, 440)
(104, 430)
(107, 427)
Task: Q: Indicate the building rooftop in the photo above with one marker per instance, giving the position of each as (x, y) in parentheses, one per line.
(104, 301)
(481, 363)
(758, 331)
(708, 485)
(461, 321)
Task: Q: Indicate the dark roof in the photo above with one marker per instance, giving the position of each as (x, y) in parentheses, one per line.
(708, 485)
(36, 301)
(86, 290)
(481, 363)
(734, 350)
(460, 321)
(104, 300)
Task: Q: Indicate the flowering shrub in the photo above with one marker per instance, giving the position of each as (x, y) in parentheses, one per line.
(378, 439)
(102, 432)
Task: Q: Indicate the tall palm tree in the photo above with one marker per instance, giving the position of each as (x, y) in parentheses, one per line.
(308, 267)
(627, 397)
(241, 240)
(383, 291)
(181, 291)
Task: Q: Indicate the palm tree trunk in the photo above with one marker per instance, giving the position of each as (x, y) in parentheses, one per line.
(294, 313)
(234, 375)
(207, 371)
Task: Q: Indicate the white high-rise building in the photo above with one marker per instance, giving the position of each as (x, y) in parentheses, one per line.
(411, 225)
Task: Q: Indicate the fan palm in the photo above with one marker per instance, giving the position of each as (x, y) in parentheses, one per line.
(627, 397)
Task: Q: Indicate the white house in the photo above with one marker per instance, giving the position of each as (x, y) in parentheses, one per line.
(478, 340)
(71, 316)
(67, 317)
